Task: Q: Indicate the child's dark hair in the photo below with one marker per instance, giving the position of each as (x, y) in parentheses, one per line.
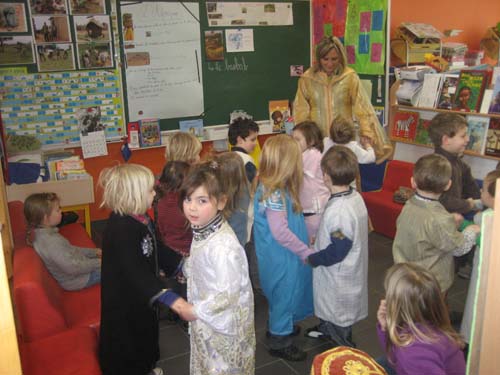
(36, 207)
(206, 175)
(342, 131)
(312, 134)
(432, 173)
(491, 179)
(241, 127)
(341, 165)
(171, 178)
(445, 124)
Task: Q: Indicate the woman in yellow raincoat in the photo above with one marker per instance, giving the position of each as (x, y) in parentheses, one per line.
(330, 89)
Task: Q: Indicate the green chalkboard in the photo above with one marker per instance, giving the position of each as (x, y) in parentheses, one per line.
(249, 80)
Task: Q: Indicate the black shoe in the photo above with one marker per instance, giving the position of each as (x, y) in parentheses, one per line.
(290, 353)
(295, 332)
(314, 333)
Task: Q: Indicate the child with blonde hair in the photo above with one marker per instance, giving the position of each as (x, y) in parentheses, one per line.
(413, 324)
(314, 194)
(281, 243)
(237, 190)
(130, 284)
(73, 267)
(219, 290)
(183, 146)
(343, 132)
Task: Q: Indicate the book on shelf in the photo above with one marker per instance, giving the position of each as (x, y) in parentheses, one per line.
(279, 110)
(408, 92)
(494, 106)
(414, 72)
(477, 129)
(194, 127)
(429, 94)
(149, 132)
(470, 89)
(133, 134)
(422, 132)
(447, 91)
(404, 126)
(493, 138)
(485, 103)
(67, 165)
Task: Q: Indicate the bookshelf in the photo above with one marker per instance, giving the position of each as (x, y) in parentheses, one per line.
(395, 108)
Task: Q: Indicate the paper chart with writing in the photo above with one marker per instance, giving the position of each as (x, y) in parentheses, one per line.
(249, 14)
(163, 74)
(46, 105)
(94, 144)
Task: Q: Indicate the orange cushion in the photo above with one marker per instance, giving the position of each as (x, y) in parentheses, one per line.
(343, 360)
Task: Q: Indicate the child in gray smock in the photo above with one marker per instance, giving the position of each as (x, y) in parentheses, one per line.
(73, 267)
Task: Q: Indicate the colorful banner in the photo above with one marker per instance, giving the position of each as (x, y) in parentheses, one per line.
(365, 35)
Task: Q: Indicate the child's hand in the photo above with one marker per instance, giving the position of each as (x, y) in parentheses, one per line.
(458, 219)
(475, 228)
(184, 309)
(365, 142)
(382, 315)
(98, 252)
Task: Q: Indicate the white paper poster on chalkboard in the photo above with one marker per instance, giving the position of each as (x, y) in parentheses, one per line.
(163, 74)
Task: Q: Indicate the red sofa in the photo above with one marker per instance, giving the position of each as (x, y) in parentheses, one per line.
(382, 210)
(57, 329)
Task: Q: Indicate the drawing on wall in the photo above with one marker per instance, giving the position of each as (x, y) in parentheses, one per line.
(214, 45)
(16, 50)
(92, 28)
(364, 38)
(48, 7)
(137, 58)
(51, 29)
(51, 57)
(329, 17)
(239, 40)
(87, 6)
(94, 55)
(128, 27)
(12, 18)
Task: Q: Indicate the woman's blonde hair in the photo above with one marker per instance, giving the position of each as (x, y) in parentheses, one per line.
(182, 146)
(125, 188)
(415, 307)
(324, 47)
(281, 168)
(233, 179)
(36, 207)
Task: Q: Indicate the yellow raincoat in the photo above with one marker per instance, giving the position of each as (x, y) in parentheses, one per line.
(321, 99)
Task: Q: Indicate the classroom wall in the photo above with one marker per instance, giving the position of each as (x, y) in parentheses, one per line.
(473, 17)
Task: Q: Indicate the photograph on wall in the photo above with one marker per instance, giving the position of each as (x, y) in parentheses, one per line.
(51, 29)
(52, 57)
(94, 55)
(12, 18)
(214, 45)
(138, 58)
(16, 50)
(128, 27)
(87, 6)
(92, 28)
(48, 7)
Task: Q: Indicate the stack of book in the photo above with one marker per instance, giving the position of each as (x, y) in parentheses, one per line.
(65, 166)
(412, 78)
(454, 53)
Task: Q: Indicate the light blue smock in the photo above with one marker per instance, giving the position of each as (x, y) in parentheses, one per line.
(285, 280)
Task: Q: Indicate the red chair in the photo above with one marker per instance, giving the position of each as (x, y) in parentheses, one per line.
(383, 211)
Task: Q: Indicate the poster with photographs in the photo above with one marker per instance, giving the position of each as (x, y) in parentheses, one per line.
(94, 55)
(16, 50)
(214, 45)
(92, 28)
(48, 7)
(51, 29)
(12, 18)
(87, 6)
(51, 57)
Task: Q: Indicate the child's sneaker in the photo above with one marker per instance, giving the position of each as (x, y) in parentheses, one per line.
(290, 353)
(314, 333)
(156, 371)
